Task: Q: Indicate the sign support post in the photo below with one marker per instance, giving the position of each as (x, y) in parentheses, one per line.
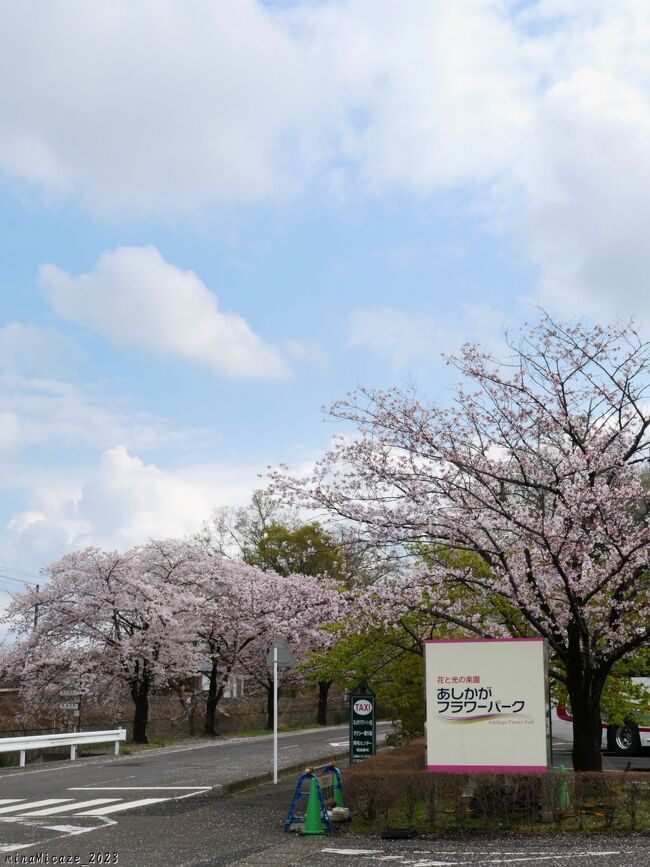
(280, 655)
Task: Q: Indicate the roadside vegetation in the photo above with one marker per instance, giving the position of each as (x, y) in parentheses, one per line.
(394, 791)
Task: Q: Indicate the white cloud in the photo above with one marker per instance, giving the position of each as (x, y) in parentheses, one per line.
(135, 297)
(10, 434)
(40, 410)
(578, 193)
(397, 335)
(430, 94)
(403, 337)
(302, 351)
(588, 196)
(165, 106)
(124, 502)
(33, 347)
(146, 106)
(541, 109)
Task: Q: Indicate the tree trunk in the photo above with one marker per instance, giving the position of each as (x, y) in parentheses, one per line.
(269, 705)
(585, 687)
(323, 691)
(210, 727)
(140, 696)
(587, 733)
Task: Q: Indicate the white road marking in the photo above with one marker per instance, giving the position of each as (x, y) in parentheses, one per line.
(339, 743)
(64, 830)
(12, 847)
(125, 805)
(21, 811)
(27, 806)
(10, 800)
(76, 805)
(191, 794)
(72, 830)
(485, 857)
(138, 788)
(111, 780)
(555, 856)
(434, 863)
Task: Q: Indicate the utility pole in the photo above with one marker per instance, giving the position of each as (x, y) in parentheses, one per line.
(36, 608)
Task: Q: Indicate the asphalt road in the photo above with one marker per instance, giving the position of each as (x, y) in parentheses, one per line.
(52, 805)
(160, 808)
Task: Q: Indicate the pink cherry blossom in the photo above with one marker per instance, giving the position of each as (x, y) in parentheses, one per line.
(534, 468)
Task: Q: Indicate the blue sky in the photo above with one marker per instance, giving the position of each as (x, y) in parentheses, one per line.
(216, 218)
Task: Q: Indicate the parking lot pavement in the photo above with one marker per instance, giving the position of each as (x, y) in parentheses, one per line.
(575, 851)
(611, 762)
(353, 851)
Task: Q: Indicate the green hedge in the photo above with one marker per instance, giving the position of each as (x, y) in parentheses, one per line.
(394, 790)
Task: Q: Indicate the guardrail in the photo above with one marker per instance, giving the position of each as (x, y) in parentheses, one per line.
(69, 739)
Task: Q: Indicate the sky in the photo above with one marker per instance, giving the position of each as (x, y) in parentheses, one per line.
(217, 218)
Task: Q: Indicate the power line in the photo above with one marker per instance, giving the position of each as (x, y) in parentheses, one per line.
(29, 572)
(20, 580)
(36, 538)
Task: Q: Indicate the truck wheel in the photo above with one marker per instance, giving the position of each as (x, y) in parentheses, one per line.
(624, 740)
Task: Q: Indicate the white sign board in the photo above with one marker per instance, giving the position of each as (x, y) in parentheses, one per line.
(285, 657)
(487, 705)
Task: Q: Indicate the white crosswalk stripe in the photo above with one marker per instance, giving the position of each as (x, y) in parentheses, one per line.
(17, 808)
(65, 808)
(118, 808)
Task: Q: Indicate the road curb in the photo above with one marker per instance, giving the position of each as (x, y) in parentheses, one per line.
(221, 790)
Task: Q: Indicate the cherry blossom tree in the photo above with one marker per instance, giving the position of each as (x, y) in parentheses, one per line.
(534, 471)
(276, 539)
(300, 607)
(109, 618)
(309, 550)
(236, 606)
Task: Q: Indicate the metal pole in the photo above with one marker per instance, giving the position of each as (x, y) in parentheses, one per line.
(275, 715)
(36, 608)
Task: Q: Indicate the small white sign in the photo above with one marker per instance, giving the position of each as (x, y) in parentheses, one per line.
(286, 659)
(69, 705)
(363, 707)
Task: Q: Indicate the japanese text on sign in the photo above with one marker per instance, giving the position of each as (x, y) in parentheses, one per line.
(469, 700)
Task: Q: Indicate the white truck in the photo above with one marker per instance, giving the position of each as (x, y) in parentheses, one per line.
(628, 739)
